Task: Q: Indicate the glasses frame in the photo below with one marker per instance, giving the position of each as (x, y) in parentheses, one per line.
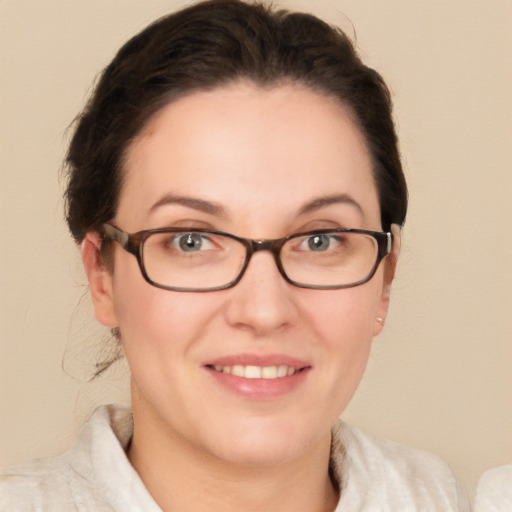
(134, 244)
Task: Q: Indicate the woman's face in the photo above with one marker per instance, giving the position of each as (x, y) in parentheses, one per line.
(257, 163)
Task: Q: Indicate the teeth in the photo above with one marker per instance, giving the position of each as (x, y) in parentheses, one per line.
(252, 372)
(269, 372)
(257, 372)
(238, 370)
(282, 371)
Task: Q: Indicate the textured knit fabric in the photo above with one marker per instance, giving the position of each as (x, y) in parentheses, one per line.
(96, 475)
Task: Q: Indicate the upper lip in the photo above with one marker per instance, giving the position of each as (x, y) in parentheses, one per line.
(259, 360)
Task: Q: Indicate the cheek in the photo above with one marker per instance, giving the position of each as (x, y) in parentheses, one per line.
(344, 322)
(347, 329)
(346, 316)
(146, 316)
(155, 323)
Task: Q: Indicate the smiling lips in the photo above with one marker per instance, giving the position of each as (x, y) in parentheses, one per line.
(259, 377)
(257, 372)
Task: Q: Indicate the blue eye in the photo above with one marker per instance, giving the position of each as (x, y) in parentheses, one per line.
(319, 242)
(191, 242)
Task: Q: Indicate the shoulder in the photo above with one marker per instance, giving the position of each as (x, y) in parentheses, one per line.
(37, 485)
(494, 491)
(382, 475)
(84, 478)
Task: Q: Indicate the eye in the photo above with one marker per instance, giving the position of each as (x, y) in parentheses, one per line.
(320, 242)
(191, 242)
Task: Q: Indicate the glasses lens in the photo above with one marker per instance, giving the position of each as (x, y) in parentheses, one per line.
(195, 260)
(205, 260)
(329, 259)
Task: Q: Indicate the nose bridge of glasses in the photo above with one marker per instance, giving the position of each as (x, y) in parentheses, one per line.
(272, 246)
(261, 245)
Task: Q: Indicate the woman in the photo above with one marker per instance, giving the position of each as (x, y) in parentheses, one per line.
(236, 189)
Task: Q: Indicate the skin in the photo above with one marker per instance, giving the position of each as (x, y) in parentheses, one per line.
(260, 155)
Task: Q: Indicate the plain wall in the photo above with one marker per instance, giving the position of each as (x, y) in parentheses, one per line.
(440, 375)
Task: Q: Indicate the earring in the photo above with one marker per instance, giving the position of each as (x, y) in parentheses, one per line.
(380, 319)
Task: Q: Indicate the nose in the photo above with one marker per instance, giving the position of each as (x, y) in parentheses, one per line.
(262, 302)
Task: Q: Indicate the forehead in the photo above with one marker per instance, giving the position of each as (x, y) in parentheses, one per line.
(249, 148)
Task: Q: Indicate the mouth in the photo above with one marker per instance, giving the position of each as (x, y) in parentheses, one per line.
(257, 372)
(259, 377)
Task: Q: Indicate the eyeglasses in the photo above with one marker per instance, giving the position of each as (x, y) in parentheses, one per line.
(200, 260)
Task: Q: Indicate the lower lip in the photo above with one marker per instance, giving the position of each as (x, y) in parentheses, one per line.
(259, 389)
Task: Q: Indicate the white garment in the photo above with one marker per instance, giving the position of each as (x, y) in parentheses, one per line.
(494, 491)
(95, 475)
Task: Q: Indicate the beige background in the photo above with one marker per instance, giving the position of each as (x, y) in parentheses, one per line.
(440, 376)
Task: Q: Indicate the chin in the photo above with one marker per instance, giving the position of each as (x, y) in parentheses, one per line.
(264, 442)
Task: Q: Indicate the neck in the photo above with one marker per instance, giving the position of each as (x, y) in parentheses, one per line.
(181, 476)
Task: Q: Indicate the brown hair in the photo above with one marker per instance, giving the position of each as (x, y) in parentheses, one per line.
(207, 45)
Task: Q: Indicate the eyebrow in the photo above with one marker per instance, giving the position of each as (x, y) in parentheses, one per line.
(218, 210)
(324, 201)
(191, 202)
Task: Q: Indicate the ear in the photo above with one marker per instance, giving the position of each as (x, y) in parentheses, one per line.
(389, 274)
(100, 280)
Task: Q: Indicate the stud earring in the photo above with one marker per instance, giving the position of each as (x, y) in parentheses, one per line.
(380, 319)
